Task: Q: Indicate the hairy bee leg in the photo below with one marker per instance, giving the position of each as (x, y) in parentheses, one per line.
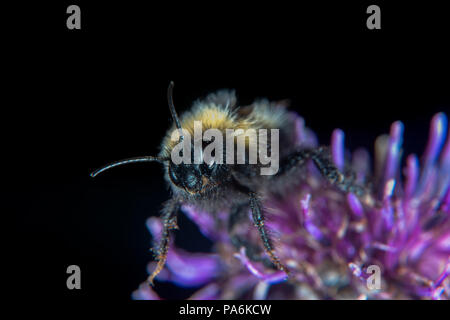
(322, 160)
(169, 219)
(258, 219)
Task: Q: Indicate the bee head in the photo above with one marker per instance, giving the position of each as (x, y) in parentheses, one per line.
(193, 178)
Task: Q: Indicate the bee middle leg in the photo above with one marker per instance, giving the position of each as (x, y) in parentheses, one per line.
(258, 220)
(322, 160)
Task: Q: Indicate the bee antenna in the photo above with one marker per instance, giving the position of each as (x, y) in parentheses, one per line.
(172, 109)
(126, 161)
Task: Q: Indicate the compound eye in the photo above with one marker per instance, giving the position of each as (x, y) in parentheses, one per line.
(190, 181)
(173, 177)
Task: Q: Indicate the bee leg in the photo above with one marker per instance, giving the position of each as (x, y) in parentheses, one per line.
(322, 159)
(258, 220)
(169, 219)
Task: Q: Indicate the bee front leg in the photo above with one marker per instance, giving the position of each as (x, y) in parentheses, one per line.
(169, 219)
(258, 220)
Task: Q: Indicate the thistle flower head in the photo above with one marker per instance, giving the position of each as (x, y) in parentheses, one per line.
(332, 241)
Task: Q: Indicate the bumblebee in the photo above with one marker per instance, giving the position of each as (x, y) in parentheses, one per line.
(233, 187)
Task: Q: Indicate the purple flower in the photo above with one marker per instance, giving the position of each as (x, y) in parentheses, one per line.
(329, 239)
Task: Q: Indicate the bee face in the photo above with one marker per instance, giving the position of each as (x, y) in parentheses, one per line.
(193, 178)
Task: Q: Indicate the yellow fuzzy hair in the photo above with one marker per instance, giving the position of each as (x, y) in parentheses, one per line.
(259, 115)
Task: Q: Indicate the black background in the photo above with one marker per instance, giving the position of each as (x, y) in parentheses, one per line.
(78, 99)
